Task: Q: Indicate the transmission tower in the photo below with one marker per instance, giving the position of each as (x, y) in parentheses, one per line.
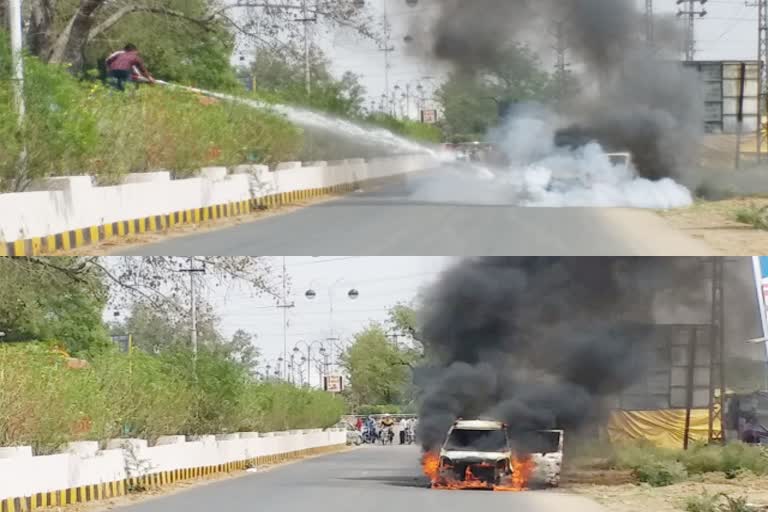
(691, 12)
(717, 353)
(762, 58)
(650, 35)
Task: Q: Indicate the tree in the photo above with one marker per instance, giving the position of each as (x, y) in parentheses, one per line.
(60, 31)
(62, 299)
(54, 302)
(283, 76)
(378, 369)
(243, 350)
(473, 102)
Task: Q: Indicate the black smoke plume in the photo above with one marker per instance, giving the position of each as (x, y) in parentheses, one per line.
(541, 342)
(631, 96)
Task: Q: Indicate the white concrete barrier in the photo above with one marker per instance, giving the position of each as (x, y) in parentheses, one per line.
(24, 478)
(62, 206)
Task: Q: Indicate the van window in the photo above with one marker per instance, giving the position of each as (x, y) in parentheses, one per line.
(545, 442)
(477, 440)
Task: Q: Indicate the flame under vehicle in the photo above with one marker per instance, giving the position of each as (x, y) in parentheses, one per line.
(479, 454)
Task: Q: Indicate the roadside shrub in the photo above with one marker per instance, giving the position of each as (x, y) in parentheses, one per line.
(721, 502)
(704, 502)
(755, 216)
(367, 410)
(45, 404)
(660, 473)
(75, 127)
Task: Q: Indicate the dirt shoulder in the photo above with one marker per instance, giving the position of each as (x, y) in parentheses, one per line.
(715, 224)
(629, 497)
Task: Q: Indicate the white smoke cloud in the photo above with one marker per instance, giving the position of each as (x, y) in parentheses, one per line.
(539, 174)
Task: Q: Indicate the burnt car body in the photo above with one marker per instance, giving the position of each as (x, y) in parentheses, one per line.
(478, 450)
(481, 453)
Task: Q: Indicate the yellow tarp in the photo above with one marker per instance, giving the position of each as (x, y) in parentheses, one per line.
(664, 428)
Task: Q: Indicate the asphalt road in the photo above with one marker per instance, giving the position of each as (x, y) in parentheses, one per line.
(393, 221)
(369, 479)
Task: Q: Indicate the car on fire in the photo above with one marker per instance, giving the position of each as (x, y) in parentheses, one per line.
(480, 454)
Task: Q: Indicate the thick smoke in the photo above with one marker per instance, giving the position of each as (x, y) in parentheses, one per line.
(631, 97)
(541, 342)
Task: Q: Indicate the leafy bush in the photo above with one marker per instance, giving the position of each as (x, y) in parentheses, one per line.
(45, 404)
(84, 128)
(660, 473)
(409, 129)
(733, 459)
(717, 503)
(704, 502)
(366, 410)
(755, 216)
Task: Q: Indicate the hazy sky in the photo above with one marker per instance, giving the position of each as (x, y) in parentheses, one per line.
(728, 32)
(381, 282)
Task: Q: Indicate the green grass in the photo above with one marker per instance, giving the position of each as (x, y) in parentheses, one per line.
(45, 404)
(75, 127)
(755, 216)
(722, 502)
(660, 466)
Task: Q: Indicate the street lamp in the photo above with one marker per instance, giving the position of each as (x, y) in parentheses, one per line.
(309, 346)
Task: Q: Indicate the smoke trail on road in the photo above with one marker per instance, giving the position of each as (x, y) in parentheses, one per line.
(540, 342)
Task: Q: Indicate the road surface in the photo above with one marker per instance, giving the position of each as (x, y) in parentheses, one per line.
(370, 479)
(390, 221)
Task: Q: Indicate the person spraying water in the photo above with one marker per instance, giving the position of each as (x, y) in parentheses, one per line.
(126, 66)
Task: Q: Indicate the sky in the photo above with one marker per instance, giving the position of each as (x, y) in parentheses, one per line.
(381, 283)
(728, 32)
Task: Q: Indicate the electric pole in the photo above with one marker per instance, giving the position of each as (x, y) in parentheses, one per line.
(285, 307)
(192, 270)
(690, 34)
(650, 32)
(17, 60)
(387, 48)
(306, 20)
(762, 59)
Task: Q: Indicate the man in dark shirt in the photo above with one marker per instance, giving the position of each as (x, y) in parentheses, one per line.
(121, 65)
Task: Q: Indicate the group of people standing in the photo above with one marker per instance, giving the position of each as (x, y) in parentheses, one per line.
(384, 429)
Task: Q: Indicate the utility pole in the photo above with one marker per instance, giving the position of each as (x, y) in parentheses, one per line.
(650, 29)
(717, 351)
(17, 60)
(690, 33)
(307, 72)
(387, 48)
(285, 307)
(192, 270)
(762, 59)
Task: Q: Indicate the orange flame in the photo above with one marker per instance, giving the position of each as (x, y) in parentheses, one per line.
(430, 463)
(523, 468)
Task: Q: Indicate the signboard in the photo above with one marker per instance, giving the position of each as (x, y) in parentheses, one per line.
(760, 264)
(728, 89)
(429, 116)
(123, 342)
(334, 384)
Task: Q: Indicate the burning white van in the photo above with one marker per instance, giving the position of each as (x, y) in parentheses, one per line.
(479, 454)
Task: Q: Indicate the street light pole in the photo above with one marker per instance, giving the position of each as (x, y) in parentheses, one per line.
(17, 57)
(193, 309)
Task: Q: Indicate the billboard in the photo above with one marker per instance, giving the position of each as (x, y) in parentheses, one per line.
(429, 116)
(729, 90)
(334, 384)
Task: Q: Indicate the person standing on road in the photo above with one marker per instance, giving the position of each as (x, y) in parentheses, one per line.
(403, 429)
(121, 65)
